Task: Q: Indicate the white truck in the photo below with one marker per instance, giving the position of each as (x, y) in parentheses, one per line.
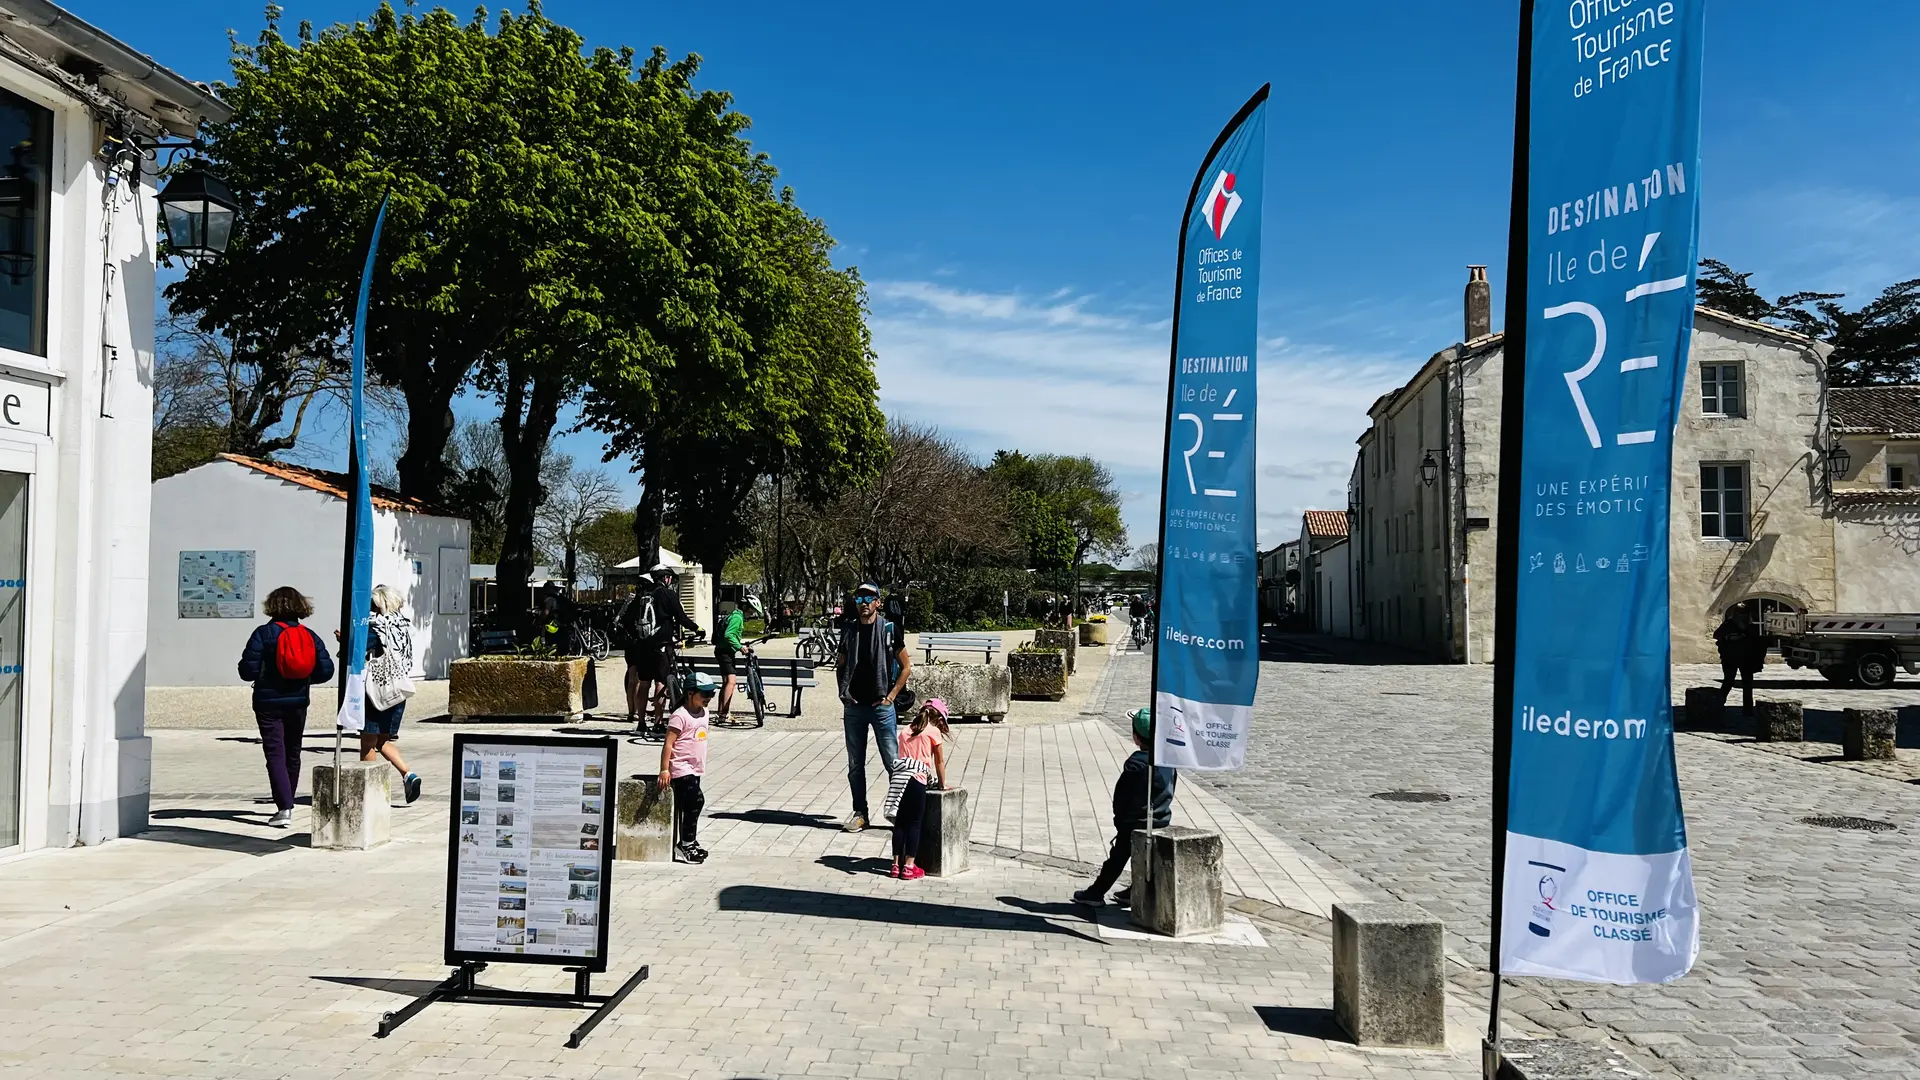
(1852, 650)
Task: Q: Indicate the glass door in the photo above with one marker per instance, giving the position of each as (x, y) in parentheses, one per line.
(13, 634)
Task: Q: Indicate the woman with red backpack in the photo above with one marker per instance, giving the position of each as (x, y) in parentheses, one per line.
(283, 659)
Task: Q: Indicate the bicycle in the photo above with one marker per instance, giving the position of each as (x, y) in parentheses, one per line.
(819, 643)
(679, 673)
(752, 684)
(1142, 630)
(596, 643)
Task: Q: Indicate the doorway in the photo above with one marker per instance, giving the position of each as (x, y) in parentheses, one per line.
(13, 635)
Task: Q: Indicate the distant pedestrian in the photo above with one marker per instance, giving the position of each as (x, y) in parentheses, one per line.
(873, 670)
(1743, 652)
(1130, 812)
(282, 660)
(389, 683)
(683, 761)
(922, 762)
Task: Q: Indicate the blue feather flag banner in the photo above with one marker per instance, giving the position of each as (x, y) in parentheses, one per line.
(357, 596)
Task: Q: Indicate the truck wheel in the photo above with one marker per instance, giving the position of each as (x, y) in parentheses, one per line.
(1838, 674)
(1874, 670)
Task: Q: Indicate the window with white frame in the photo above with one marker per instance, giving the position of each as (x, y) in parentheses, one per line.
(1720, 390)
(1723, 500)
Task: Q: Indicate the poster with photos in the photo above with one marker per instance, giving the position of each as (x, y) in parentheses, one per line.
(528, 869)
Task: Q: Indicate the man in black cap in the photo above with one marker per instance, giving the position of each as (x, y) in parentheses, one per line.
(873, 671)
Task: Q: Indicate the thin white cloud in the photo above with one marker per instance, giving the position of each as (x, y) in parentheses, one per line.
(1837, 239)
(1056, 374)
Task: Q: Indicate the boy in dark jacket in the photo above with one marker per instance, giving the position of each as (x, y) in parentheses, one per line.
(280, 700)
(1130, 811)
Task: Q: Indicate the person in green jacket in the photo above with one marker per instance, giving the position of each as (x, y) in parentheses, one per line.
(727, 651)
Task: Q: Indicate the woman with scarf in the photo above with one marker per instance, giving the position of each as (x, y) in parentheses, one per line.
(389, 683)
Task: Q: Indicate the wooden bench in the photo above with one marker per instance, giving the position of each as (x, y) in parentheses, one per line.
(774, 672)
(978, 643)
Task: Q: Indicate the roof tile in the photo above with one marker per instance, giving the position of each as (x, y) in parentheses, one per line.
(1876, 410)
(1326, 523)
(335, 484)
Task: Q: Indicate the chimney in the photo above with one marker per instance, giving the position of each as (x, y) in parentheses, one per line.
(1479, 303)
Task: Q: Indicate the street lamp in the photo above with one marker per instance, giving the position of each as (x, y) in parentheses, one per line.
(199, 210)
(1429, 469)
(1838, 460)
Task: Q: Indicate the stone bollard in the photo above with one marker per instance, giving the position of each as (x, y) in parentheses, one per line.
(1778, 721)
(1066, 641)
(1389, 975)
(1180, 894)
(1705, 709)
(1868, 734)
(364, 817)
(944, 833)
(643, 821)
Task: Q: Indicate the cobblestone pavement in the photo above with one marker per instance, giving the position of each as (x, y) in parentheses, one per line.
(214, 947)
(1809, 936)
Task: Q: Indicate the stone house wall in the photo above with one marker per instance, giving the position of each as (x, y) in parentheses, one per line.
(1789, 554)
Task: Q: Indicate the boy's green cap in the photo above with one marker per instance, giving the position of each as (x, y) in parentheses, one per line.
(1142, 724)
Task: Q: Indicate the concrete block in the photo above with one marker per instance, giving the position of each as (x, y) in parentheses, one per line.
(1095, 631)
(1563, 1059)
(1038, 673)
(1868, 734)
(1066, 641)
(1389, 975)
(1705, 709)
(643, 821)
(1778, 721)
(944, 833)
(968, 689)
(363, 818)
(1180, 893)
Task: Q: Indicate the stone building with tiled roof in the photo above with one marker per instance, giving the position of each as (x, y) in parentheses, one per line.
(1784, 493)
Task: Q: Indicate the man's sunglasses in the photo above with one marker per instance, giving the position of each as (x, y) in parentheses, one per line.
(865, 599)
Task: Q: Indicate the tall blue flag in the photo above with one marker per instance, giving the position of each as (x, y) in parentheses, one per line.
(357, 596)
(1206, 660)
(1598, 884)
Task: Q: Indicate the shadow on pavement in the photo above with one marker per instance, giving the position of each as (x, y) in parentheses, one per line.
(1059, 909)
(403, 987)
(214, 839)
(1311, 1023)
(826, 905)
(1280, 647)
(780, 817)
(848, 864)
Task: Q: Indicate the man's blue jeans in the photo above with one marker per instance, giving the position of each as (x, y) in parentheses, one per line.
(857, 719)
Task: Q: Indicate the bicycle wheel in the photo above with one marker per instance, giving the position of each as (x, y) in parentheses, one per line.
(757, 692)
(598, 646)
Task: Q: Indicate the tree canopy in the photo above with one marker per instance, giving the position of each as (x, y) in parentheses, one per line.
(1878, 342)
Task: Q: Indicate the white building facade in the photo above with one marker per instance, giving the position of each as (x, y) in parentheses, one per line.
(78, 231)
(228, 532)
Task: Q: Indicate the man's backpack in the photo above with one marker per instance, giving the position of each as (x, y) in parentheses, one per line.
(293, 653)
(638, 621)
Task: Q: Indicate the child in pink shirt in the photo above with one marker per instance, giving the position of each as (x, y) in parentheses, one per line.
(923, 756)
(683, 760)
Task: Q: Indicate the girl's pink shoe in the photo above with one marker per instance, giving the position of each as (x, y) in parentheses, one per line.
(894, 870)
(912, 873)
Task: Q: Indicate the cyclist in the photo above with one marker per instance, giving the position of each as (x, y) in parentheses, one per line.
(651, 624)
(727, 650)
(1137, 615)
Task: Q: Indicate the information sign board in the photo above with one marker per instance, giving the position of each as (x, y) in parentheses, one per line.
(530, 856)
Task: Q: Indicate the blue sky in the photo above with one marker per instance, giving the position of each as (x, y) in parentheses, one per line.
(1008, 179)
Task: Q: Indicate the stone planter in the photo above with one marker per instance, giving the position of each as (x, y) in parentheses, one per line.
(968, 689)
(1093, 633)
(1778, 721)
(1038, 673)
(1868, 734)
(502, 686)
(1704, 709)
(1064, 640)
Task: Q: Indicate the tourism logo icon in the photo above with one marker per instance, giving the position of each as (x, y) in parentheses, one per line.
(1221, 204)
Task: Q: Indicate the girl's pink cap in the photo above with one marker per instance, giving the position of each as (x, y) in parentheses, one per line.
(938, 706)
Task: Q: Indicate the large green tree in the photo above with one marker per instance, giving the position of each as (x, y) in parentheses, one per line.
(418, 107)
(1079, 488)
